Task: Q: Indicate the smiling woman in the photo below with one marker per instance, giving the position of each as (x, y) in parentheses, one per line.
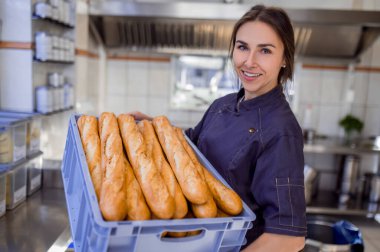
(263, 159)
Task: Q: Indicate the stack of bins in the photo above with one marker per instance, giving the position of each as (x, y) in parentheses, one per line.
(13, 159)
(33, 139)
(20, 155)
(90, 232)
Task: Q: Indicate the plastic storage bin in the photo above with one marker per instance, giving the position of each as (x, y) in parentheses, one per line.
(12, 139)
(3, 186)
(16, 185)
(34, 173)
(33, 129)
(91, 233)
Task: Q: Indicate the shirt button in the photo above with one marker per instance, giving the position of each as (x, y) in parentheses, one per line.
(252, 130)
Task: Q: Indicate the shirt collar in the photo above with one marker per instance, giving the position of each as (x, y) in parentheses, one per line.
(271, 97)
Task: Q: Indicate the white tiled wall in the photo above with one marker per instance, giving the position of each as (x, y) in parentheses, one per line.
(144, 86)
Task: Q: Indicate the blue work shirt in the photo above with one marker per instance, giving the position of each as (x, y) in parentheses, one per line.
(257, 146)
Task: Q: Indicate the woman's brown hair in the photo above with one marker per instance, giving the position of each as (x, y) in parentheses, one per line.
(280, 23)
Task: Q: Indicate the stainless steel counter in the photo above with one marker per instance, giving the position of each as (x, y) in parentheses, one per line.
(337, 146)
(35, 224)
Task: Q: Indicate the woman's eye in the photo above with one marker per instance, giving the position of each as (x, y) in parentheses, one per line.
(242, 47)
(266, 51)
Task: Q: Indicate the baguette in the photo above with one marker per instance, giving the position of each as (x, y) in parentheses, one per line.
(136, 204)
(88, 130)
(226, 199)
(208, 209)
(160, 202)
(193, 232)
(154, 149)
(113, 204)
(222, 214)
(193, 187)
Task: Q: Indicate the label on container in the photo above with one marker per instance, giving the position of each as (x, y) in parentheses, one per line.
(19, 194)
(35, 182)
(2, 206)
(34, 145)
(19, 152)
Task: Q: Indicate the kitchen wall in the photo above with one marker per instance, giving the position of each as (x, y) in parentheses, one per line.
(88, 79)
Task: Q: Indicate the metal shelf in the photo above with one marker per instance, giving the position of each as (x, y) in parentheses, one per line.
(337, 146)
(53, 21)
(327, 202)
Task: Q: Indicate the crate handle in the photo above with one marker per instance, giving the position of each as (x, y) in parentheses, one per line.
(174, 236)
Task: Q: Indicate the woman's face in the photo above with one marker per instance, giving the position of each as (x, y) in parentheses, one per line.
(257, 57)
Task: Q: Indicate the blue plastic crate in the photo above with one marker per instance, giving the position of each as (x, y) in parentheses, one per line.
(91, 233)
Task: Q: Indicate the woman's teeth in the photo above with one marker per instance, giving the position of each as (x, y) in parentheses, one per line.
(251, 74)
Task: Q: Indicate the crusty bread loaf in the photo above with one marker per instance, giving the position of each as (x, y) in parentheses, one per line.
(136, 204)
(176, 234)
(154, 149)
(160, 202)
(88, 130)
(208, 209)
(113, 204)
(193, 186)
(190, 215)
(226, 199)
(221, 214)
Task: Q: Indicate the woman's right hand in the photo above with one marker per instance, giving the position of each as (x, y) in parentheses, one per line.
(140, 116)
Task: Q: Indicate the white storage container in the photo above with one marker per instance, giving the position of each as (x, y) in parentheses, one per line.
(44, 46)
(33, 129)
(68, 96)
(54, 79)
(43, 10)
(44, 99)
(16, 186)
(12, 140)
(34, 173)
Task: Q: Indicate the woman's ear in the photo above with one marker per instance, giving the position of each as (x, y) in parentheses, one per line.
(283, 63)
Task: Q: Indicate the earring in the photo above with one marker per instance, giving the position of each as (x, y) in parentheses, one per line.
(283, 66)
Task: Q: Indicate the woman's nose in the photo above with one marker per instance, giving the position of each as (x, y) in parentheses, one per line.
(251, 60)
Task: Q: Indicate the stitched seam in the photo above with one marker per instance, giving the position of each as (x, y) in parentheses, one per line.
(261, 130)
(290, 199)
(292, 185)
(292, 226)
(279, 205)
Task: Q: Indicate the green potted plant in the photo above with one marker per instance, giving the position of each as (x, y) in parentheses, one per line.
(351, 125)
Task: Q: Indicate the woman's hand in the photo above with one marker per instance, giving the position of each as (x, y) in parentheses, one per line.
(276, 242)
(139, 116)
